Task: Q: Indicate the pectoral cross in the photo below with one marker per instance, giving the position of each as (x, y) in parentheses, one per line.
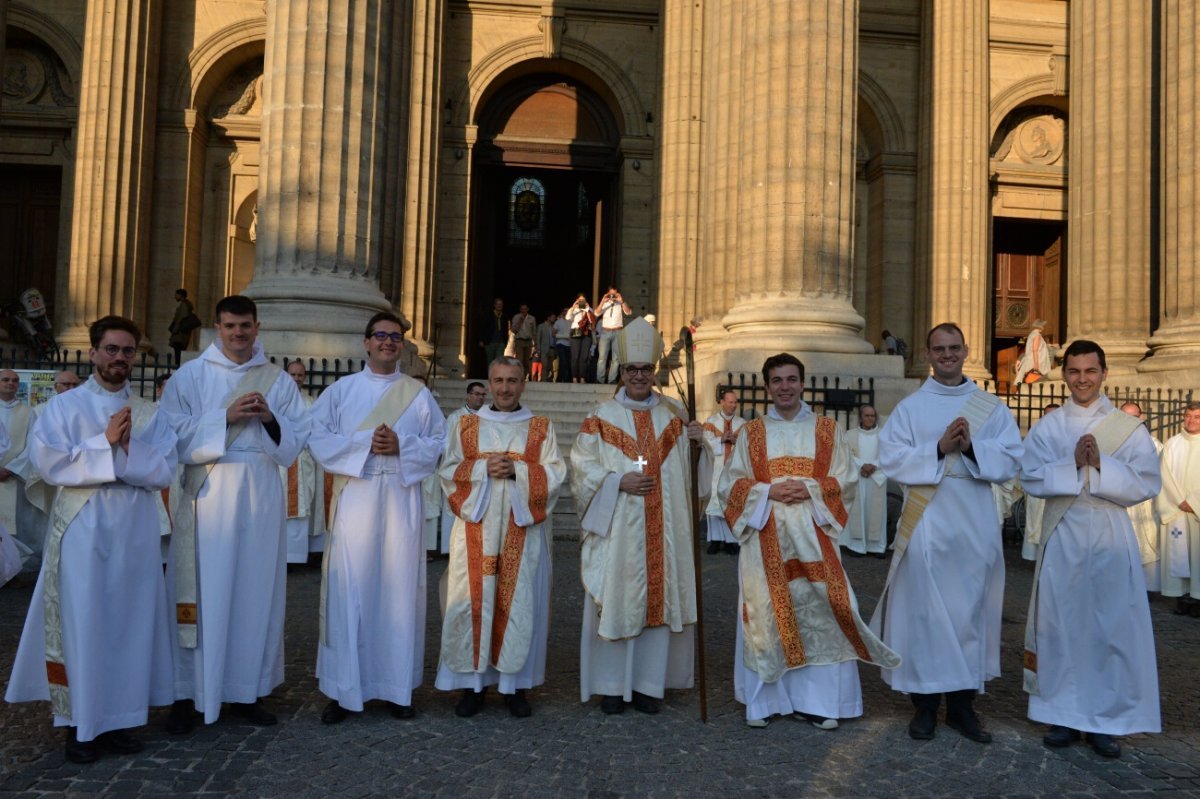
(641, 464)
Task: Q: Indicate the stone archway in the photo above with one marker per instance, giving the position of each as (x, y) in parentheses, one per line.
(545, 195)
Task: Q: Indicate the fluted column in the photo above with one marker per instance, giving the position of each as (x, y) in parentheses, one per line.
(1176, 343)
(952, 168)
(796, 175)
(1108, 228)
(324, 149)
(680, 148)
(114, 158)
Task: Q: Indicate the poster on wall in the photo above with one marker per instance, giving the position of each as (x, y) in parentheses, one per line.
(37, 386)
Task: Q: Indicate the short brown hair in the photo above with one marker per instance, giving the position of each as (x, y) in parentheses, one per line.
(97, 329)
(782, 359)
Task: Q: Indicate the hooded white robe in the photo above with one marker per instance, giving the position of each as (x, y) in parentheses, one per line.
(866, 529)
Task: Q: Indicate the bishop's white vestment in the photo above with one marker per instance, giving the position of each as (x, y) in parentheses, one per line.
(941, 612)
(1179, 543)
(108, 592)
(798, 628)
(497, 615)
(715, 428)
(373, 639)
(866, 523)
(1094, 663)
(639, 581)
(240, 540)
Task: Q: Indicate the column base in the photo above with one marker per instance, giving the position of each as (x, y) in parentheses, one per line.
(795, 323)
(1173, 347)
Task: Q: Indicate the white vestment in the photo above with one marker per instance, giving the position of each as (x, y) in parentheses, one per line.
(240, 534)
(1036, 357)
(636, 554)
(798, 624)
(1179, 542)
(866, 528)
(116, 636)
(1146, 526)
(304, 492)
(1035, 507)
(1096, 669)
(497, 620)
(374, 646)
(714, 428)
(942, 614)
(22, 518)
(447, 520)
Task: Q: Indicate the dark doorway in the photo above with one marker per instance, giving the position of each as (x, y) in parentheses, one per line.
(1029, 281)
(543, 198)
(30, 199)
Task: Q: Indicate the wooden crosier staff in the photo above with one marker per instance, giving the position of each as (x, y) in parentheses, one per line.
(689, 361)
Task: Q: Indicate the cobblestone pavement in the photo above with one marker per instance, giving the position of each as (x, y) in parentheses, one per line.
(571, 749)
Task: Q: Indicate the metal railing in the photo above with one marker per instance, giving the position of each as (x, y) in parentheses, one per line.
(1162, 407)
(836, 397)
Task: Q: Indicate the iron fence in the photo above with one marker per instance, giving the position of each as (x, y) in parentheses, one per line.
(834, 397)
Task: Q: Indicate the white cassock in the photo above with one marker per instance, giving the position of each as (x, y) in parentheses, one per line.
(167, 505)
(497, 619)
(866, 527)
(715, 427)
(1035, 507)
(241, 543)
(374, 645)
(116, 636)
(1096, 669)
(303, 487)
(799, 633)
(942, 614)
(1179, 542)
(22, 518)
(447, 521)
(636, 553)
(431, 505)
(1036, 357)
(1146, 526)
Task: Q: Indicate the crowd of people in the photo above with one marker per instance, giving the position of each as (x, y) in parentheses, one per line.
(782, 491)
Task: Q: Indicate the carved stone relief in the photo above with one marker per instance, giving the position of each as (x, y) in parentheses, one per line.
(241, 93)
(33, 75)
(1032, 138)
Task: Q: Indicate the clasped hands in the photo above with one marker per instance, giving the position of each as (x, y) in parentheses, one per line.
(789, 492)
(384, 441)
(1087, 452)
(120, 425)
(501, 467)
(249, 406)
(957, 437)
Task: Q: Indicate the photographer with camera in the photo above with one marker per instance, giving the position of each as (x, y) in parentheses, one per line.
(611, 319)
(582, 322)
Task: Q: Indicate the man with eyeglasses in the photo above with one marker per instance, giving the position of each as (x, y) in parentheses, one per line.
(239, 418)
(18, 514)
(380, 433)
(631, 478)
(97, 637)
(940, 609)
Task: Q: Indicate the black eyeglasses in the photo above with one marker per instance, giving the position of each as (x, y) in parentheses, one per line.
(112, 349)
(382, 336)
(645, 369)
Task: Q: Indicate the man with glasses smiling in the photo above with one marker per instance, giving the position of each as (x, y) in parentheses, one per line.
(380, 433)
(238, 418)
(631, 479)
(940, 609)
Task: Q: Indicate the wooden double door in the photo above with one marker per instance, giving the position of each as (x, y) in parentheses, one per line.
(1028, 284)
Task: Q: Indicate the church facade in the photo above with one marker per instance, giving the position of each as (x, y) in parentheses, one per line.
(796, 175)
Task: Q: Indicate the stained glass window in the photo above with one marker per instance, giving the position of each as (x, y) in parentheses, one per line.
(527, 213)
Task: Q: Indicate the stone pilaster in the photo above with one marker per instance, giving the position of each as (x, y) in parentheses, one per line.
(1176, 343)
(1108, 227)
(114, 160)
(952, 274)
(324, 149)
(791, 257)
(679, 156)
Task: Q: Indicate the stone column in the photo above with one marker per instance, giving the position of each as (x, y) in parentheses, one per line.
(114, 161)
(679, 156)
(1108, 199)
(796, 105)
(1176, 343)
(322, 199)
(952, 274)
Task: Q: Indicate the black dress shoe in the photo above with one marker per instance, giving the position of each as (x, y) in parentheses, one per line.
(403, 711)
(612, 705)
(960, 716)
(518, 705)
(119, 742)
(79, 751)
(713, 547)
(470, 704)
(333, 713)
(645, 704)
(1060, 736)
(731, 548)
(924, 721)
(182, 718)
(255, 713)
(1104, 745)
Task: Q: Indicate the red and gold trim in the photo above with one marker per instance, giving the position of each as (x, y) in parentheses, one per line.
(185, 613)
(738, 496)
(781, 594)
(475, 572)
(831, 492)
(328, 492)
(506, 583)
(469, 436)
(839, 596)
(293, 489)
(56, 673)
